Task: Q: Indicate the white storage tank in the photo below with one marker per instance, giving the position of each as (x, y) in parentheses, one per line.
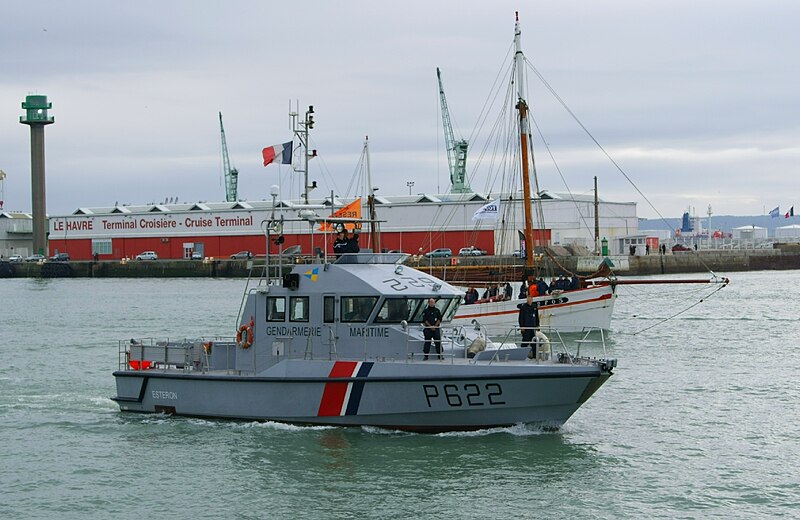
(789, 233)
(749, 233)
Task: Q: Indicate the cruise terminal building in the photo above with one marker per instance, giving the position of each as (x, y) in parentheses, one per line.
(412, 224)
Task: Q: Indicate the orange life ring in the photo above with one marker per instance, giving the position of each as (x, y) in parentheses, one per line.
(246, 340)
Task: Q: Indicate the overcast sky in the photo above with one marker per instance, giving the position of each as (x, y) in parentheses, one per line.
(698, 101)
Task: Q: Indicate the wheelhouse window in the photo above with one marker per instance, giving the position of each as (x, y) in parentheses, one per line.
(447, 306)
(329, 309)
(450, 311)
(395, 310)
(276, 308)
(298, 306)
(357, 309)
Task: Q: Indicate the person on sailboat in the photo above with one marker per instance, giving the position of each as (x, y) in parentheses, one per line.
(528, 323)
(541, 287)
(523, 289)
(508, 292)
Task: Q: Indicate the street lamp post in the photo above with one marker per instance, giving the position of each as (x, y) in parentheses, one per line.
(410, 185)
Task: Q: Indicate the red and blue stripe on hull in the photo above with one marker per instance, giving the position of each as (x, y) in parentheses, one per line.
(340, 398)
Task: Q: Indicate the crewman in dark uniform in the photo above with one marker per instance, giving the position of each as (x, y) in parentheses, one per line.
(431, 319)
(528, 323)
(340, 244)
(352, 243)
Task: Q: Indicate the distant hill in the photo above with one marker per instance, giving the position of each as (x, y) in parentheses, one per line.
(724, 223)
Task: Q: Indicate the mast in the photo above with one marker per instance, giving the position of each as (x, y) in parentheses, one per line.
(300, 129)
(596, 218)
(373, 230)
(522, 107)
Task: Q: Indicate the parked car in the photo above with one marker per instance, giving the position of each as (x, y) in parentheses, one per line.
(680, 247)
(15, 258)
(442, 252)
(34, 258)
(471, 251)
(518, 253)
(147, 255)
(197, 256)
(60, 257)
(242, 255)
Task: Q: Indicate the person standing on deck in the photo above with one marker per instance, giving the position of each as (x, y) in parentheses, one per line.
(528, 323)
(431, 319)
(352, 243)
(340, 244)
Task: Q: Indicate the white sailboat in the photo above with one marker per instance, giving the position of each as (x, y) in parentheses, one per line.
(586, 307)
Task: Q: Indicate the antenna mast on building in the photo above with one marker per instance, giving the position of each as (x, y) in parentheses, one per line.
(231, 173)
(2, 188)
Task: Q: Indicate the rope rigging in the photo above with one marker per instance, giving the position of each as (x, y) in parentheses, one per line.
(605, 152)
(723, 283)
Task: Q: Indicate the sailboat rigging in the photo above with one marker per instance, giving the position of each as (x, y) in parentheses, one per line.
(588, 305)
(588, 301)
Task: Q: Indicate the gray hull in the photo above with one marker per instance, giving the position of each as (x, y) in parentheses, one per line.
(415, 396)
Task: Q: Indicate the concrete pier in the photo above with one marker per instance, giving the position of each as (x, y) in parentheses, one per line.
(683, 262)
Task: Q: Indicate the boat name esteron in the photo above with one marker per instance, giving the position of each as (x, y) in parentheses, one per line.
(163, 394)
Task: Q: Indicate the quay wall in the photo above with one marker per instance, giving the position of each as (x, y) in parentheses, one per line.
(654, 264)
(717, 261)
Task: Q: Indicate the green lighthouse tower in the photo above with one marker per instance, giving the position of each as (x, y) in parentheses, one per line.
(36, 117)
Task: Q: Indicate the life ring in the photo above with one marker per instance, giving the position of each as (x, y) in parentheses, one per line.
(244, 336)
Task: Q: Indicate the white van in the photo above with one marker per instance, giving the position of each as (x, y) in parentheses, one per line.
(147, 255)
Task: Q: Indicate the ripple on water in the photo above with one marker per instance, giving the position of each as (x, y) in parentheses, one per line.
(698, 421)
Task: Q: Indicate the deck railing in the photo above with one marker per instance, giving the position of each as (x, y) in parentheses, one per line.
(459, 344)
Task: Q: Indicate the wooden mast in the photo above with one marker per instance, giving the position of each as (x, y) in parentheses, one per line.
(522, 107)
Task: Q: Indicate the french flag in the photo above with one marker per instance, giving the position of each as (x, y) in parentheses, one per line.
(278, 154)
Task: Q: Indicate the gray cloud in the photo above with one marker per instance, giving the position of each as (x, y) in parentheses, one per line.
(697, 101)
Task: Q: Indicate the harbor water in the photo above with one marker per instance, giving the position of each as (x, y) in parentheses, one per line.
(700, 420)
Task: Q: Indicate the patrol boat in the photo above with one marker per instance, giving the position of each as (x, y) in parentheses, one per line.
(340, 343)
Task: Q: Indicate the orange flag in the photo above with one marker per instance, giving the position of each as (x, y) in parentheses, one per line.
(352, 210)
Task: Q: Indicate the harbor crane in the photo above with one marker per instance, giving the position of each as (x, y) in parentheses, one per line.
(231, 173)
(456, 150)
